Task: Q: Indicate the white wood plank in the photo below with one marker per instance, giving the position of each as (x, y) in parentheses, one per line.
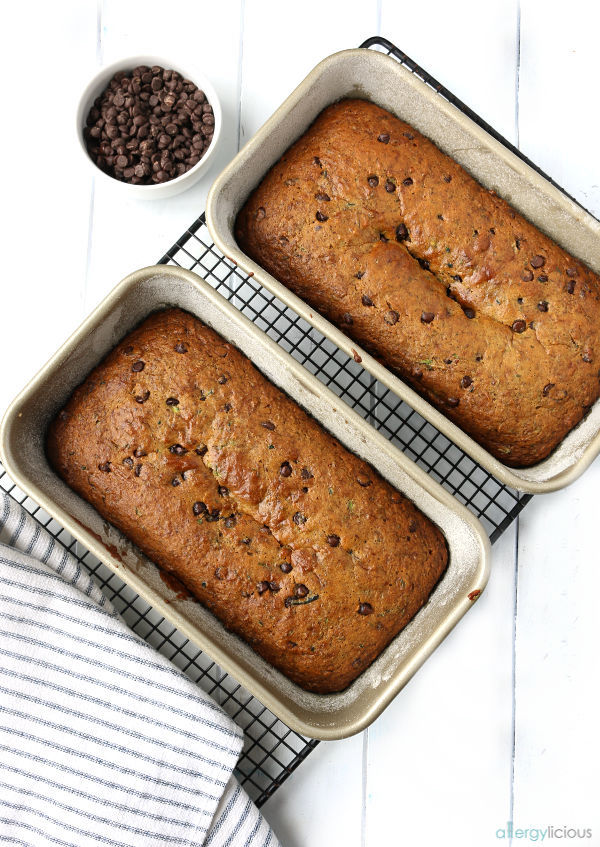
(559, 122)
(468, 46)
(443, 751)
(280, 48)
(557, 771)
(45, 193)
(556, 775)
(321, 803)
(440, 756)
(131, 233)
(325, 795)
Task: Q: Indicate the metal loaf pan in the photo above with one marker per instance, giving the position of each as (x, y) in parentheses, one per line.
(22, 440)
(374, 76)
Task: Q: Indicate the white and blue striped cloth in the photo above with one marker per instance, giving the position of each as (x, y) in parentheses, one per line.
(102, 740)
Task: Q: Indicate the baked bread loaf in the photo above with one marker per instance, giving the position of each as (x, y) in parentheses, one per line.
(486, 317)
(294, 543)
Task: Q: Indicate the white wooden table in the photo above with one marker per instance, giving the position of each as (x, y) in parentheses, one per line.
(502, 722)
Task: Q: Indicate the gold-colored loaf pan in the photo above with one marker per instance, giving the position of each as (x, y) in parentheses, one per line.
(22, 444)
(371, 75)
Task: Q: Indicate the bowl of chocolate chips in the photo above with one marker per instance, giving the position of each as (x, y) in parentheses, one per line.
(148, 127)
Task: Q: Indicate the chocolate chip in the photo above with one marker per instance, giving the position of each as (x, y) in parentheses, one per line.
(262, 587)
(447, 178)
(222, 380)
(305, 489)
(175, 481)
(105, 467)
(274, 586)
(537, 262)
(212, 516)
(571, 286)
(391, 317)
(390, 186)
(457, 278)
(223, 491)
(138, 366)
(322, 196)
(230, 521)
(299, 519)
(172, 401)
(466, 381)
(301, 590)
(548, 388)
(139, 452)
(401, 232)
(373, 181)
(141, 398)
(333, 540)
(285, 567)
(365, 609)
(424, 264)
(519, 326)
(177, 449)
(543, 306)
(316, 161)
(201, 451)
(138, 470)
(285, 469)
(427, 317)
(227, 407)
(452, 402)
(321, 217)
(383, 237)
(347, 318)
(469, 313)
(359, 274)
(366, 300)
(407, 181)
(128, 461)
(260, 213)
(199, 508)
(571, 272)
(363, 480)
(527, 276)
(384, 138)
(519, 299)
(180, 348)
(587, 357)
(306, 474)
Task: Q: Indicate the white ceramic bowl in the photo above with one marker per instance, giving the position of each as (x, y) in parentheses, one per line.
(174, 186)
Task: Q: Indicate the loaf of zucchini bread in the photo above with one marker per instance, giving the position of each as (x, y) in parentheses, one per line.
(294, 543)
(436, 276)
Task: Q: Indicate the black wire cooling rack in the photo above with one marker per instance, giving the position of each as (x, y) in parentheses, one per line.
(272, 751)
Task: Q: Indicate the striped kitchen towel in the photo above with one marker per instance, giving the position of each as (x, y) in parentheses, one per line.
(102, 740)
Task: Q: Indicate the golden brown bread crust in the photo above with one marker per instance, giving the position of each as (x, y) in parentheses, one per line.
(222, 480)
(486, 317)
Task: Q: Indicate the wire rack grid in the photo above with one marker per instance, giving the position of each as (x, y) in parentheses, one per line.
(272, 751)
